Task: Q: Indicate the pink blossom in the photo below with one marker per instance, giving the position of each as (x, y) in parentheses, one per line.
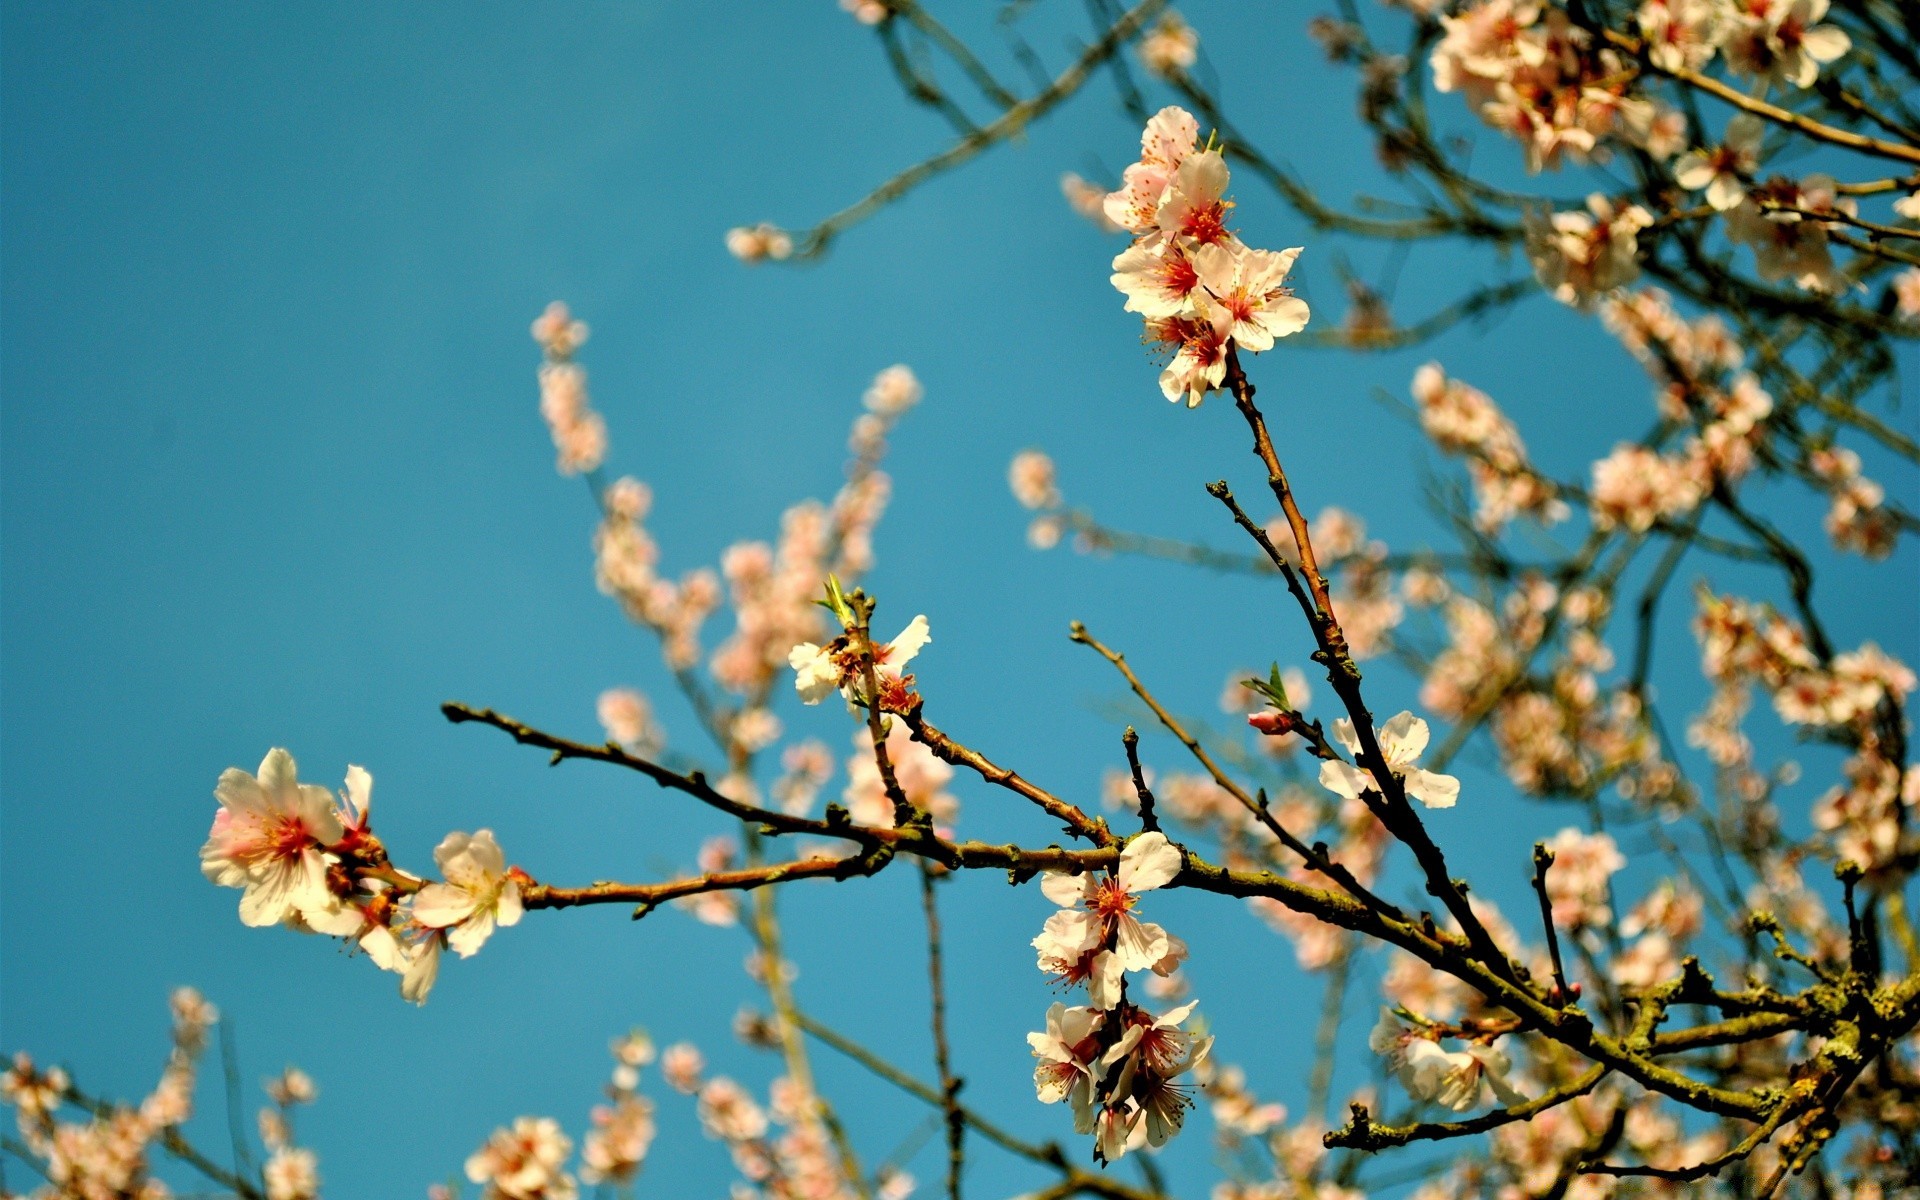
(524, 1162)
(270, 838)
(1170, 48)
(753, 244)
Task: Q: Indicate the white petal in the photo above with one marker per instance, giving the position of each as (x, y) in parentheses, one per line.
(507, 911)
(1403, 739)
(421, 972)
(439, 905)
(469, 935)
(1344, 779)
(360, 789)
(278, 772)
(239, 790)
(1139, 944)
(1150, 861)
(1344, 734)
(902, 648)
(1064, 889)
(1432, 788)
(1103, 982)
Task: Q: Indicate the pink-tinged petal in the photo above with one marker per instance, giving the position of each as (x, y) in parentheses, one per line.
(902, 648)
(1138, 944)
(239, 791)
(1344, 779)
(1150, 861)
(439, 905)
(1202, 178)
(1065, 890)
(1215, 265)
(1432, 788)
(1170, 135)
(1272, 268)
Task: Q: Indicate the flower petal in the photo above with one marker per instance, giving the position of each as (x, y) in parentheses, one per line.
(1344, 779)
(1432, 788)
(1150, 861)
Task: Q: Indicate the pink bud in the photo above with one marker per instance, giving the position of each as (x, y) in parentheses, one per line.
(1274, 722)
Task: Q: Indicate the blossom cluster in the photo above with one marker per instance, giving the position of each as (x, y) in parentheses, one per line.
(1197, 286)
(1531, 71)
(579, 433)
(1865, 818)
(107, 1155)
(1117, 1065)
(1462, 419)
(769, 587)
(311, 862)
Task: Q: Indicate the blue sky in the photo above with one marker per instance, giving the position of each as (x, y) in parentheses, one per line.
(274, 476)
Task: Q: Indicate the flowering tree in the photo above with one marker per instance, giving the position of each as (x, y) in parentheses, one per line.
(1742, 1027)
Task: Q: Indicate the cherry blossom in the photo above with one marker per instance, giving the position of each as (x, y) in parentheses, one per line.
(479, 893)
(1097, 937)
(1157, 279)
(1402, 740)
(1171, 48)
(1089, 200)
(628, 720)
(1141, 1074)
(1780, 42)
(1724, 169)
(1200, 345)
(558, 332)
(1068, 1061)
(821, 670)
(1251, 286)
(1170, 136)
(893, 391)
(524, 1162)
(1787, 242)
(1577, 882)
(270, 839)
(1579, 256)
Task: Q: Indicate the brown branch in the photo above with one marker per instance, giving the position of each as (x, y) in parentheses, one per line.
(1008, 125)
(1077, 822)
(942, 1056)
(1360, 1133)
(1772, 112)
